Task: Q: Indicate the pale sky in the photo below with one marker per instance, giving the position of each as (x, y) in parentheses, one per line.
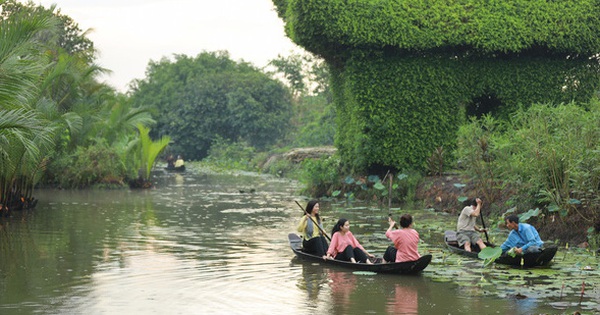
(130, 33)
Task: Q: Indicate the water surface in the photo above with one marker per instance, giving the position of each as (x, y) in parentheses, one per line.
(217, 244)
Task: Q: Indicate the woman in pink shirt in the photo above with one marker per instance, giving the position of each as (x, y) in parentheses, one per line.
(406, 241)
(344, 246)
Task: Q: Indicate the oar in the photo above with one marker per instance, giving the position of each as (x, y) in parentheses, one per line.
(315, 222)
(484, 228)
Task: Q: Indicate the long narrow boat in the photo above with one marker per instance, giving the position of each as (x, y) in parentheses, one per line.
(542, 258)
(175, 169)
(409, 267)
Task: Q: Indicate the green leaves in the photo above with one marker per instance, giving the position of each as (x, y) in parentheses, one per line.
(197, 99)
(544, 149)
(529, 214)
(379, 186)
(150, 150)
(493, 27)
(451, 56)
(489, 254)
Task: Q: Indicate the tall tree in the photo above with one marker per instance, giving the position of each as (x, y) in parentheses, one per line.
(314, 116)
(196, 99)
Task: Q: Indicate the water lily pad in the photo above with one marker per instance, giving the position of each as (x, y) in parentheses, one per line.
(561, 281)
(364, 273)
(490, 253)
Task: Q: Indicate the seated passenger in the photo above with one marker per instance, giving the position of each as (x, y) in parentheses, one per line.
(179, 162)
(344, 246)
(406, 241)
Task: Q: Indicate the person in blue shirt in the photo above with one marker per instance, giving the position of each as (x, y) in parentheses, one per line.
(523, 237)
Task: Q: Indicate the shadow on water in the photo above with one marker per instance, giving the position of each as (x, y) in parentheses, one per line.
(217, 244)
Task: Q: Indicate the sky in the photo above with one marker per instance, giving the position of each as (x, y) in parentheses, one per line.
(130, 33)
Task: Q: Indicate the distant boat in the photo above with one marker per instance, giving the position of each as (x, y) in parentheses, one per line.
(408, 267)
(175, 169)
(542, 258)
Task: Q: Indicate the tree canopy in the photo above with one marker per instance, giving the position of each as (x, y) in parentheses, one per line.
(406, 74)
(322, 26)
(58, 124)
(198, 99)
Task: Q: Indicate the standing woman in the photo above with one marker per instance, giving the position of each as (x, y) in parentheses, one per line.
(344, 246)
(406, 241)
(313, 240)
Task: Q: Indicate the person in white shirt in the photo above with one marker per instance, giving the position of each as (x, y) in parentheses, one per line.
(467, 232)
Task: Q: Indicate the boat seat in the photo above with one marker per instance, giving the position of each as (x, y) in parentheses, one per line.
(450, 238)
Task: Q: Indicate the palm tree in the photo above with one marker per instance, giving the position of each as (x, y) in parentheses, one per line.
(23, 135)
(149, 152)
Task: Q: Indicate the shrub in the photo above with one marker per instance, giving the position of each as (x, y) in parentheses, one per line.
(321, 175)
(550, 152)
(97, 164)
(227, 154)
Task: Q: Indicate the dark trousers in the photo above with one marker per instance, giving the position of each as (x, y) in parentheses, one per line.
(390, 254)
(316, 246)
(351, 252)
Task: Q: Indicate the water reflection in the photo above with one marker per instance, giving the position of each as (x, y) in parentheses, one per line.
(342, 285)
(343, 292)
(314, 277)
(403, 300)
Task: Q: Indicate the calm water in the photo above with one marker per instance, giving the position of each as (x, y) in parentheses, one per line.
(202, 244)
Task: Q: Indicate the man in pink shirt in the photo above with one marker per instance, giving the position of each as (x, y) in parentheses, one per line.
(406, 241)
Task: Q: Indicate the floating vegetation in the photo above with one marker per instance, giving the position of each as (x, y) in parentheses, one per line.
(489, 254)
(559, 285)
(364, 273)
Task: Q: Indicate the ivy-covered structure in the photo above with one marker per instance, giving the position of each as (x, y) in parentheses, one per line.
(406, 73)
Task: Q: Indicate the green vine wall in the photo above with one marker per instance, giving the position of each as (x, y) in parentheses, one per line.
(406, 72)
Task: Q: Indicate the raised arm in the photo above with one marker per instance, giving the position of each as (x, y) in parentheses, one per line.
(477, 210)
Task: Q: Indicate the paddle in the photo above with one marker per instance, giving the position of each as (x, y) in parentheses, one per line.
(484, 228)
(315, 222)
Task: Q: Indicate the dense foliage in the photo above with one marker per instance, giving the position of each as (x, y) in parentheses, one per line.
(26, 134)
(387, 119)
(550, 154)
(197, 99)
(58, 124)
(559, 27)
(407, 73)
(99, 164)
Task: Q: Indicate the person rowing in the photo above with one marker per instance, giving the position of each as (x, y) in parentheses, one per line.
(311, 227)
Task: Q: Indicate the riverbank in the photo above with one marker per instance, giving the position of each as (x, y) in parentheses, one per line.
(444, 193)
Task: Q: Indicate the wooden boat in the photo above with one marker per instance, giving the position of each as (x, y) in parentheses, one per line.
(175, 169)
(542, 258)
(409, 267)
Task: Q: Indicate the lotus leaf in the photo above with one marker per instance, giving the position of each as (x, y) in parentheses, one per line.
(364, 273)
(490, 253)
